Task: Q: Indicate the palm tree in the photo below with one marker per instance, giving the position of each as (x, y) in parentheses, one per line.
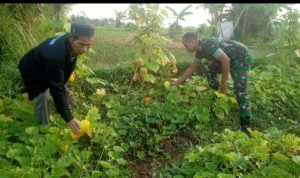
(214, 9)
(180, 15)
(119, 17)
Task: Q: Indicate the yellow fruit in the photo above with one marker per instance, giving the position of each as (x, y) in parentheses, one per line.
(167, 84)
(175, 70)
(147, 100)
(64, 148)
(25, 95)
(101, 92)
(72, 78)
(135, 77)
(85, 128)
(143, 71)
(85, 125)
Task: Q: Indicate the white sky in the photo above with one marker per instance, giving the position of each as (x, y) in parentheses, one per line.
(106, 10)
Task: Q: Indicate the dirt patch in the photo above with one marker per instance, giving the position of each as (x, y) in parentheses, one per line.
(144, 169)
(173, 151)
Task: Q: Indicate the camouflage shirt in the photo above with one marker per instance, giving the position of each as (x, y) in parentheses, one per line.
(212, 48)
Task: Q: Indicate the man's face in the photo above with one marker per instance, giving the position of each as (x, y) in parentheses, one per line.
(81, 45)
(190, 46)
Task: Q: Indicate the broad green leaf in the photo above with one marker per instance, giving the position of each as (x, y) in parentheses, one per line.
(153, 66)
(32, 130)
(296, 159)
(105, 164)
(223, 175)
(202, 114)
(118, 149)
(297, 52)
(219, 112)
(149, 78)
(122, 162)
(192, 156)
(96, 174)
(141, 155)
(219, 95)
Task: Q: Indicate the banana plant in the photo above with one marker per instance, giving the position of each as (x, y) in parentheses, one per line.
(180, 15)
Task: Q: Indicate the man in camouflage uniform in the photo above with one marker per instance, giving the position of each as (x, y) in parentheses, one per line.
(226, 56)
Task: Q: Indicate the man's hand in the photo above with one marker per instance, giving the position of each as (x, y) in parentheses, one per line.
(223, 88)
(74, 125)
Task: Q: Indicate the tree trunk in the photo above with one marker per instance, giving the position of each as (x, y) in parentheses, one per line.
(245, 23)
(57, 9)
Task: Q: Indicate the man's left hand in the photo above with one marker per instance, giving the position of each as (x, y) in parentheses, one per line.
(223, 89)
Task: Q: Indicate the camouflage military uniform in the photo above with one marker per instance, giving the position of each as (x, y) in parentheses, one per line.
(240, 62)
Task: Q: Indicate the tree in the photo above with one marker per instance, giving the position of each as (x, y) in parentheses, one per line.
(215, 11)
(119, 17)
(255, 18)
(180, 15)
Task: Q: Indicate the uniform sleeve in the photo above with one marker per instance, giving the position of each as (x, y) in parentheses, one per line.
(212, 48)
(55, 75)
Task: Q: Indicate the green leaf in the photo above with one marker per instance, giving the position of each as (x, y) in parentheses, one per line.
(164, 13)
(211, 166)
(202, 114)
(105, 164)
(13, 153)
(296, 159)
(96, 174)
(223, 175)
(118, 149)
(153, 66)
(32, 130)
(149, 78)
(122, 162)
(53, 130)
(219, 94)
(219, 112)
(297, 52)
(141, 155)
(192, 156)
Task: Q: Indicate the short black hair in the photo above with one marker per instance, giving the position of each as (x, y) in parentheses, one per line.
(82, 30)
(190, 36)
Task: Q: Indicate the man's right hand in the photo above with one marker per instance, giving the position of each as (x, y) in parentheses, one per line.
(74, 125)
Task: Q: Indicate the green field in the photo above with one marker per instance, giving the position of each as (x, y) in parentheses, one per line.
(115, 47)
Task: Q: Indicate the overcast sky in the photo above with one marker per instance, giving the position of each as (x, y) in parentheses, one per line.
(106, 10)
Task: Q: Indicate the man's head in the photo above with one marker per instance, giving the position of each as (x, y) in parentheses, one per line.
(190, 41)
(81, 38)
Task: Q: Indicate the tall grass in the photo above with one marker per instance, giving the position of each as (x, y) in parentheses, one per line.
(16, 38)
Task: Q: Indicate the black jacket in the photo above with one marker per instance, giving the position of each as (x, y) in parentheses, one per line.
(49, 65)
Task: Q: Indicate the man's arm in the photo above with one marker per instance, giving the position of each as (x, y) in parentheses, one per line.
(55, 75)
(225, 63)
(187, 73)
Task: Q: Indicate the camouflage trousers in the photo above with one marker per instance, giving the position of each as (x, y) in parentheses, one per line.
(239, 70)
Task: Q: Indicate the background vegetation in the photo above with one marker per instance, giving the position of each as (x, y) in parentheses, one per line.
(184, 131)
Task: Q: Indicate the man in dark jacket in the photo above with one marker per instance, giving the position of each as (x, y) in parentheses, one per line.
(47, 67)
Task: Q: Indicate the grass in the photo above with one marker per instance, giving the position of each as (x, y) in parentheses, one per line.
(115, 47)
